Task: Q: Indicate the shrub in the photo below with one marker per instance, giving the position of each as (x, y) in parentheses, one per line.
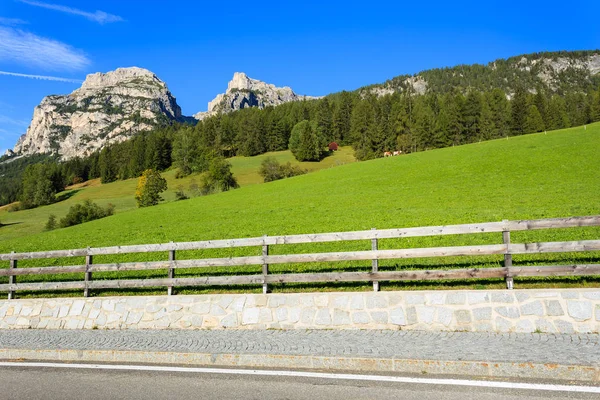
(180, 194)
(271, 170)
(304, 142)
(219, 177)
(85, 212)
(149, 187)
(194, 188)
(51, 224)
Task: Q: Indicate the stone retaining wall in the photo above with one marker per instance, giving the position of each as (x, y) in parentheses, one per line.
(560, 310)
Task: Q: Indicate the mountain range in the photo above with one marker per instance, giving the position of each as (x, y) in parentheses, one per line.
(112, 107)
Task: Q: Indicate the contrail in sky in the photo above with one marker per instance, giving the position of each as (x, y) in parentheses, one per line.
(42, 77)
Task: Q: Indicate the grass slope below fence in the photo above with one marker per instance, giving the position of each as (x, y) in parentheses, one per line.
(526, 177)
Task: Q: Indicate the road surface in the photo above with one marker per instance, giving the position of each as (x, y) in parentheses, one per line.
(72, 381)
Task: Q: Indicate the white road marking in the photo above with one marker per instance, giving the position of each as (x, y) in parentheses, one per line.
(320, 375)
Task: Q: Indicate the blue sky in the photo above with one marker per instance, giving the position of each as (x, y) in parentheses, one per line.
(316, 47)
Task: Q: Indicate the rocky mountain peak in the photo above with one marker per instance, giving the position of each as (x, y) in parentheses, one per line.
(243, 91)
(107, 108)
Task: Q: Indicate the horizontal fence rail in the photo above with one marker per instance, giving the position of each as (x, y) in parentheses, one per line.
(507, 272)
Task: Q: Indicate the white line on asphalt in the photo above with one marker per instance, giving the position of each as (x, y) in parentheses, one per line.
(320, 375)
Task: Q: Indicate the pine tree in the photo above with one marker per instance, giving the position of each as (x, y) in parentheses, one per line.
(557, 110)
(518, 112)
(487, 129)
(324, 129)
(361, 130)
(471, 115)
(541, 102)
(304, 143)
(106, 164)
(534, 121)
(500, 113)
(595, 108)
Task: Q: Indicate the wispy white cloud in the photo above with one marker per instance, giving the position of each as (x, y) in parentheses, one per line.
(42, 77)
(100, 17)
(35, 51)
(12, 21)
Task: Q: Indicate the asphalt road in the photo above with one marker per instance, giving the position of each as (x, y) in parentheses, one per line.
(73, 383)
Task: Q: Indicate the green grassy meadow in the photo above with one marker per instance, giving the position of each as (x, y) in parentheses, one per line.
(527, 177)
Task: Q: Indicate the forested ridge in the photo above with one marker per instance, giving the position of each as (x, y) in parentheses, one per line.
(450, 112)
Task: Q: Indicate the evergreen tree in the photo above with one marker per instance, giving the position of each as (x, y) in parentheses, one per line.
(361, 130)
(487, 128)
(534, 121)
(424, 125)
(106, 164)
(541, 102)
(304, 143)
(519, 112)
(471, 116)
(557, 111)
(185, 151)
(500, 113)
(323, 127)
(595, 107)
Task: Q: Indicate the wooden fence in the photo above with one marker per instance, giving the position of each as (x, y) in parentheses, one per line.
(508, 271)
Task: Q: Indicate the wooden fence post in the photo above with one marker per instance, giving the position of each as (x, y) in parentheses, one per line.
(171, 273)
(12, 279)
(375, 262)
(265, 267)
(507, 259)
(88, 274)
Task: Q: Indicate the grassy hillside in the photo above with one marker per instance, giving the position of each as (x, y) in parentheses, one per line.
(120, 193)
(532, 176)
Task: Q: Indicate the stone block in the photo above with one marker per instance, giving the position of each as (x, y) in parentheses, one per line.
(63, 311)
(564, 326)
(108, 305)
(379, 317)
(224, 301)
(592, 295)
(376, 301)
(217, 310)
(444, 316)
(569, 295)
(554, 308)
(360, 317)
(435, 299)
(196, 321)
(503, 325)
(543, 295)
(482, 314)
(598, 312)
(415, 299)
(281, 314)
(397, 316)
(322, 300)
(357, 302)
(229, 321)
(456, 298)
(522, 297)
(250, 316)
(174, 307)
(200, 308)
(544, 326)
(276, 301)
(323, 317)
(508, 312)
(152, 308)
(265, 316)
(525, 326)
(533, 308)
(483, 327)
(340, 301)
(579, 310)
(411, 315)
(502, 297)
(341, 317)
(134, 317)
(307, 315)
(294, 314)
(425, 314)
(237, 305)
(462, 316)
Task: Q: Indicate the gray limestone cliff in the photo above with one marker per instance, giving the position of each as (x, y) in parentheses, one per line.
(108, 107)
(244, 92)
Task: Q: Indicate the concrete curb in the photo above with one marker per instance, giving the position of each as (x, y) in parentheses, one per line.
(331, 363)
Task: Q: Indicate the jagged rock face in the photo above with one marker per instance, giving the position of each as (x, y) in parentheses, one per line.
(107, 108)
(243, 92)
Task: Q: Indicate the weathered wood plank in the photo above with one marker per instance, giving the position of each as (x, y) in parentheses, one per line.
(557, 270)
(554, 247)
(42, 270)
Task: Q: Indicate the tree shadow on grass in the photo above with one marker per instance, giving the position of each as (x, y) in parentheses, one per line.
(67, 195)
